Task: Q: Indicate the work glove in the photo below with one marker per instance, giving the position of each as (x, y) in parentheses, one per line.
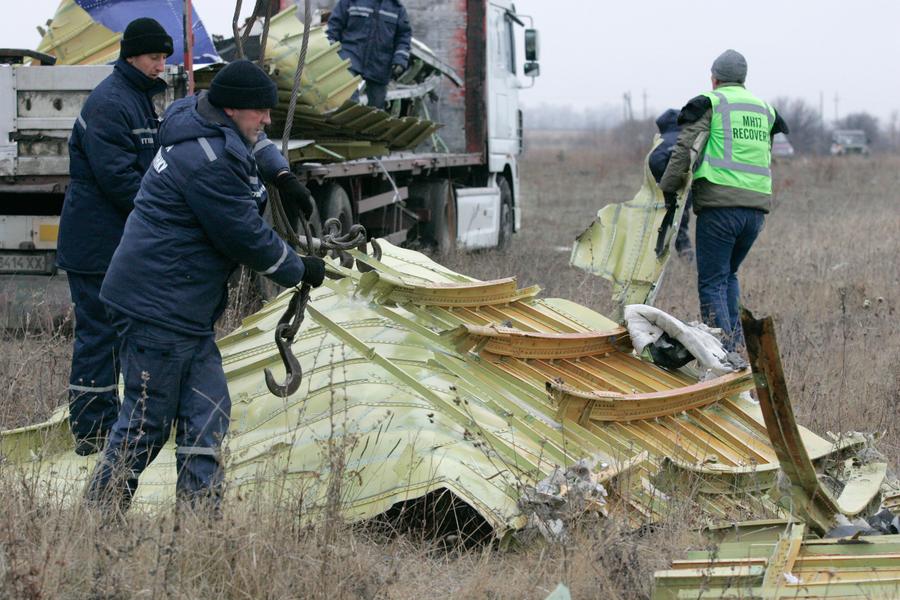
(397, 71)
(294, 195)
(671, 200)
(313, 270)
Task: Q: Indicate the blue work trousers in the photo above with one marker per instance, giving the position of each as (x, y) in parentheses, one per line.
(376, 94)
(93, 392)
(723, 239)
(170, 379)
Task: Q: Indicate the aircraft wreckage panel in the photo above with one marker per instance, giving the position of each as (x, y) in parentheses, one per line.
(620, 245)
(341, 128)
(787, 566)
(426, 379)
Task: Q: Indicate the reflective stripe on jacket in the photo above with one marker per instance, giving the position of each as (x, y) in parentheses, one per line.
(198, 215)
(738, 150)
(112, 143)
(374, 35)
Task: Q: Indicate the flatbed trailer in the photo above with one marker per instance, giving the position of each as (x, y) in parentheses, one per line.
(464, 196)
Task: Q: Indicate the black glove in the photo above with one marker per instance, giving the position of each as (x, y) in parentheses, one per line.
(397, 71)
(671, 199)
(313, 270)
(294, 195)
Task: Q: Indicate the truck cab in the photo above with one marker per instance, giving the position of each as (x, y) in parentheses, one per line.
(488, 217)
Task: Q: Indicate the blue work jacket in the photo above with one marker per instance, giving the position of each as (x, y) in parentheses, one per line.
(374, 35)
(667, 123)
(112, 143)
(197, 216)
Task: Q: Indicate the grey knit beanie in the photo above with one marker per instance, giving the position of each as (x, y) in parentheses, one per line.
(730, 67)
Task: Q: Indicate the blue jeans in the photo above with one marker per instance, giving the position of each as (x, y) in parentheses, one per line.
(170, 379)
(724, 237)
(93, 390)
(683, 238)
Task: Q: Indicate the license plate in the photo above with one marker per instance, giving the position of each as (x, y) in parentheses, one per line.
(20, 262)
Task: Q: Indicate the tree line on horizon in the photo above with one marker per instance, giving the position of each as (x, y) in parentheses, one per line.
(810, 133)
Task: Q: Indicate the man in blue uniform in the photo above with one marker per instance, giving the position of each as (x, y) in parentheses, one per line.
(111, 146)
(668, 126)
(375, 35)
(197, 216)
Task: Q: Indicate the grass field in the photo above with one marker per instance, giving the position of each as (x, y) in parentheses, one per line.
(826, 267)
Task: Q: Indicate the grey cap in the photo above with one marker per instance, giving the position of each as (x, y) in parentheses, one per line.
(730, 67)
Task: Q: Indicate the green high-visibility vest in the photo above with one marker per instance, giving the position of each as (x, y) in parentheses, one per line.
(738, 152)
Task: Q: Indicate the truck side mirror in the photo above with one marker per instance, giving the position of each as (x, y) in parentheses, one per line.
(532, 46)
(532, 69)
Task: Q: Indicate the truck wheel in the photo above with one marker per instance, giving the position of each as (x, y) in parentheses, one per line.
(507, 220)
(440, 200)
(336, 205)
(315, 224)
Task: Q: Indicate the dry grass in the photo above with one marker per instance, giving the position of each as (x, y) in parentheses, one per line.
(826, 267)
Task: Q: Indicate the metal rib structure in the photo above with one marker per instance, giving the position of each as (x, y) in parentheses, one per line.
(787, 567)
(425, 380)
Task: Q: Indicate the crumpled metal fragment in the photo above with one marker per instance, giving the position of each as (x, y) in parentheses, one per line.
(562, 496)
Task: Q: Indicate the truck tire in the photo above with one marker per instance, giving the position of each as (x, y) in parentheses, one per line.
(507, 219)
(315, 223)
(440, 200)
(335, 204)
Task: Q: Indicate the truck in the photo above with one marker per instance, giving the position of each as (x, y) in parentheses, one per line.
(849, 141)
(461, 194)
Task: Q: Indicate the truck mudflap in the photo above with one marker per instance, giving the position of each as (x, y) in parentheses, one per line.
(478, 217)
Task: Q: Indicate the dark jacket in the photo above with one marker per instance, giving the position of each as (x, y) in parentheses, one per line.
(198, 215)
(667, 123)
(695, 119)
(374, 35)
(111, 146)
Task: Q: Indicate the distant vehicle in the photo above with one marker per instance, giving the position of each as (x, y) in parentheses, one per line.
(849, 141)
(781, 146)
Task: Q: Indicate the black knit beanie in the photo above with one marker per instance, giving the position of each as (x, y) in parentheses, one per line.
(242, 84)
(145, 36)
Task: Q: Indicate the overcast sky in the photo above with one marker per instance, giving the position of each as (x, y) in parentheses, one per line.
(593, 51)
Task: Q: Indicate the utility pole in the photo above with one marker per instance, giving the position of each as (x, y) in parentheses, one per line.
(822, 106)
(188, 26)
(644, 105)
(836, 113)
(627, 112)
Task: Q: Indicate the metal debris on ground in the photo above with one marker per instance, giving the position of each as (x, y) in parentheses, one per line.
(788, 565)
(433, 382)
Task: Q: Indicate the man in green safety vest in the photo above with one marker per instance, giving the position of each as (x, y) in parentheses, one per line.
(732, 186)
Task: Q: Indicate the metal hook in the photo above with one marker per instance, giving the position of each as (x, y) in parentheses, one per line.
(285, 331)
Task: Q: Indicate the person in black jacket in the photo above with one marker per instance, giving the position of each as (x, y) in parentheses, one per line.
(196, 217)
(668, 126)
(112, 143)
(375, 35)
